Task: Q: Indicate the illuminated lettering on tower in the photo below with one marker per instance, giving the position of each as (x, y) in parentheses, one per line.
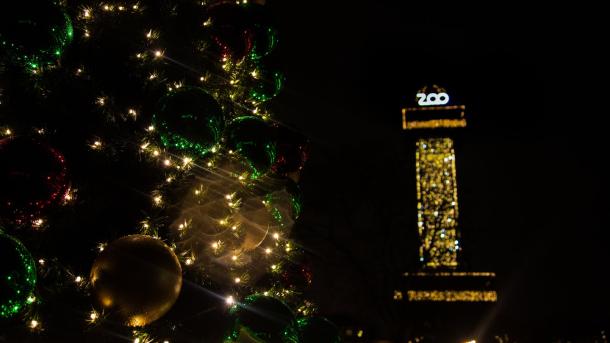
(439, 278)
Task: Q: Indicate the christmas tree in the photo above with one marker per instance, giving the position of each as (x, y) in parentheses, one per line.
(146, 192)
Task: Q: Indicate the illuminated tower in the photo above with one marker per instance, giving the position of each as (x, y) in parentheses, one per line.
(431, 118)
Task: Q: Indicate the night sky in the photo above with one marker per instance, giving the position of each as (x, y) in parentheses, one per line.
(531, 197)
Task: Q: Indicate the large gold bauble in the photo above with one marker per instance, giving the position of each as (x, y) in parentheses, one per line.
(137, 278)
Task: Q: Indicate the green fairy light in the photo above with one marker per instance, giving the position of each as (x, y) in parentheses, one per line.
(296, 206)
(266, 86)
(265, 41)
(17, 276)
(35, 36)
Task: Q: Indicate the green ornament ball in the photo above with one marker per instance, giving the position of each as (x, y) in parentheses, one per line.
(251, 138)
(34, 33)
(17, 276)
(318, 330)
(261, 27)
(265, 85)
(189, 120)
(264, 41)
(263, 319)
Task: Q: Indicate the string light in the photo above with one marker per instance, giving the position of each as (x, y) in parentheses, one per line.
(452, 296)
(96, 145)
(437, 202)
(93, 316)
(158, 200)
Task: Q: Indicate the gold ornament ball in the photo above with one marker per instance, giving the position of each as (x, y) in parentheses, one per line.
(137, 278)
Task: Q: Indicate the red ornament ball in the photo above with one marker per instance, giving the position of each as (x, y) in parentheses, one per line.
(33, 176)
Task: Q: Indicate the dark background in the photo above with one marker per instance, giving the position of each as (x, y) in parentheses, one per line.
(531, 194)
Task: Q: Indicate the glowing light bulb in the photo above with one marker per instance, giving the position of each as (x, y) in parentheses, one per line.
(230, 300)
